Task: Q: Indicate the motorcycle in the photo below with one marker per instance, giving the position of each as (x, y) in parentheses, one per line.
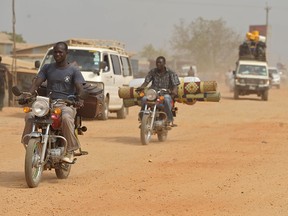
(47, 145)
(153, 119)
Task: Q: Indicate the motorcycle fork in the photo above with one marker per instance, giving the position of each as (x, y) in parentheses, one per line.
(153, 116)
(45, 142)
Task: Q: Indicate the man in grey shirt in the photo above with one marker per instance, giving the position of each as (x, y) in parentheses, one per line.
(62, 79)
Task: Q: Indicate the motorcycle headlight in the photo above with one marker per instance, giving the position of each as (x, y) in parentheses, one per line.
(40, 107)
(151, 94)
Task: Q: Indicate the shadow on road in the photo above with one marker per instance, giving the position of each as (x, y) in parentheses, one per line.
(12, 179)
(241, 99)
(17, 179)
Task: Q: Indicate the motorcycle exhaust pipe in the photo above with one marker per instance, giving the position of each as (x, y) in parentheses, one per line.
(83, 129)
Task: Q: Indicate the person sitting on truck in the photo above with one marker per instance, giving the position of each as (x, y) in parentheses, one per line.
(88, 65)
(106, 61)
(191, 72)
(73, 61)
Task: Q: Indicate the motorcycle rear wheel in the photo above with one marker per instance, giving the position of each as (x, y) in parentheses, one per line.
(33, 168)
(146, 131)
(63, 171)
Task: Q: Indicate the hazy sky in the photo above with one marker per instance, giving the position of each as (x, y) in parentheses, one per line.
(140, 22)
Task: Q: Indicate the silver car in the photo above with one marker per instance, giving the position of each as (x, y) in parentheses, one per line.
(275, 78)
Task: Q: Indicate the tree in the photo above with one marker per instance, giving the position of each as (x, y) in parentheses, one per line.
(210, 43)
(18, 37)
(150, 52)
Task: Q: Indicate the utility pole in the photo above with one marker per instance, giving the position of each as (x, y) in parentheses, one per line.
(267, 9)
(14, 63)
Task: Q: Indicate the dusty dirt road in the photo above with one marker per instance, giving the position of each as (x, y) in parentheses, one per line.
(227, 158)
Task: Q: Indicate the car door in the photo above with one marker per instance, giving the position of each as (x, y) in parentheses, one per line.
(117, 80)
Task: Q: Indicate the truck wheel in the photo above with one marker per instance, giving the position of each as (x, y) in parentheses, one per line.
(236, 93)
(121, 114)
(105, 110)
(264, 95)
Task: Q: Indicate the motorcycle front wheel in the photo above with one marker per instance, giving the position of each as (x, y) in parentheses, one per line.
(33, 167)
(63, 171)
(146, 131)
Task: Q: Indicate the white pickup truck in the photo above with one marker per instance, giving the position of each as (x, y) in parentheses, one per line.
(251, 77)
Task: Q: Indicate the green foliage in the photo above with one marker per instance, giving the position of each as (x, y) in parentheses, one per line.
(18, 37)
(210, 43)
(150, 52)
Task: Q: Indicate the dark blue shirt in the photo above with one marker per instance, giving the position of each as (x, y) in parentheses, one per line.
(60, 81)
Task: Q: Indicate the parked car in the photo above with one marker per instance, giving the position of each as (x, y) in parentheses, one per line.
(275, 77)
(229, 80)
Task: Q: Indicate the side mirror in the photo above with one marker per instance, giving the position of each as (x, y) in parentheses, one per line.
(234, 72)
(16, 91)
(37, 64)
(102, 65)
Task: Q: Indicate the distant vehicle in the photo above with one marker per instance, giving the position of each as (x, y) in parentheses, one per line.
(187, 70)
(251, 77)
(251, 73)
(275, 77)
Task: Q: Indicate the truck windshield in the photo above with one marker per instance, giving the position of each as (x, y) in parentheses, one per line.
(86, 60)
(253, 70)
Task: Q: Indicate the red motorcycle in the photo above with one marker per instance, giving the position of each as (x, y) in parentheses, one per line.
(46, 145)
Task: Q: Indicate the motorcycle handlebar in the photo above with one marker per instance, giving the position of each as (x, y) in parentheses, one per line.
(27, 98)
(164, 91)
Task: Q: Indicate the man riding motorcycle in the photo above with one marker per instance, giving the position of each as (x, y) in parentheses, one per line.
(163, 78)
(63, 79)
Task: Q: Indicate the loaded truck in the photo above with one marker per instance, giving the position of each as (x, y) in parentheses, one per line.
(251, 75)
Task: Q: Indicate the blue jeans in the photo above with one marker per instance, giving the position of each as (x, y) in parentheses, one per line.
(167, 106)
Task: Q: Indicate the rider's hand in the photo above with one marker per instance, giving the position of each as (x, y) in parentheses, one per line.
(25, 98)
(173, 95)
(139, 89)
(79, 104)
(27, 95)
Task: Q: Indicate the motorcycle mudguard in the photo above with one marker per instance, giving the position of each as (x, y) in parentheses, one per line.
(34, 134)
(162, 115)
(146, 112)
(142, 113)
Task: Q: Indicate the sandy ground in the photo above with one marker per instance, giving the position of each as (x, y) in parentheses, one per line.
(227, 158)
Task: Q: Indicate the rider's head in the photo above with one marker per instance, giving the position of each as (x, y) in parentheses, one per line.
(160, 62)
(60, 51)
